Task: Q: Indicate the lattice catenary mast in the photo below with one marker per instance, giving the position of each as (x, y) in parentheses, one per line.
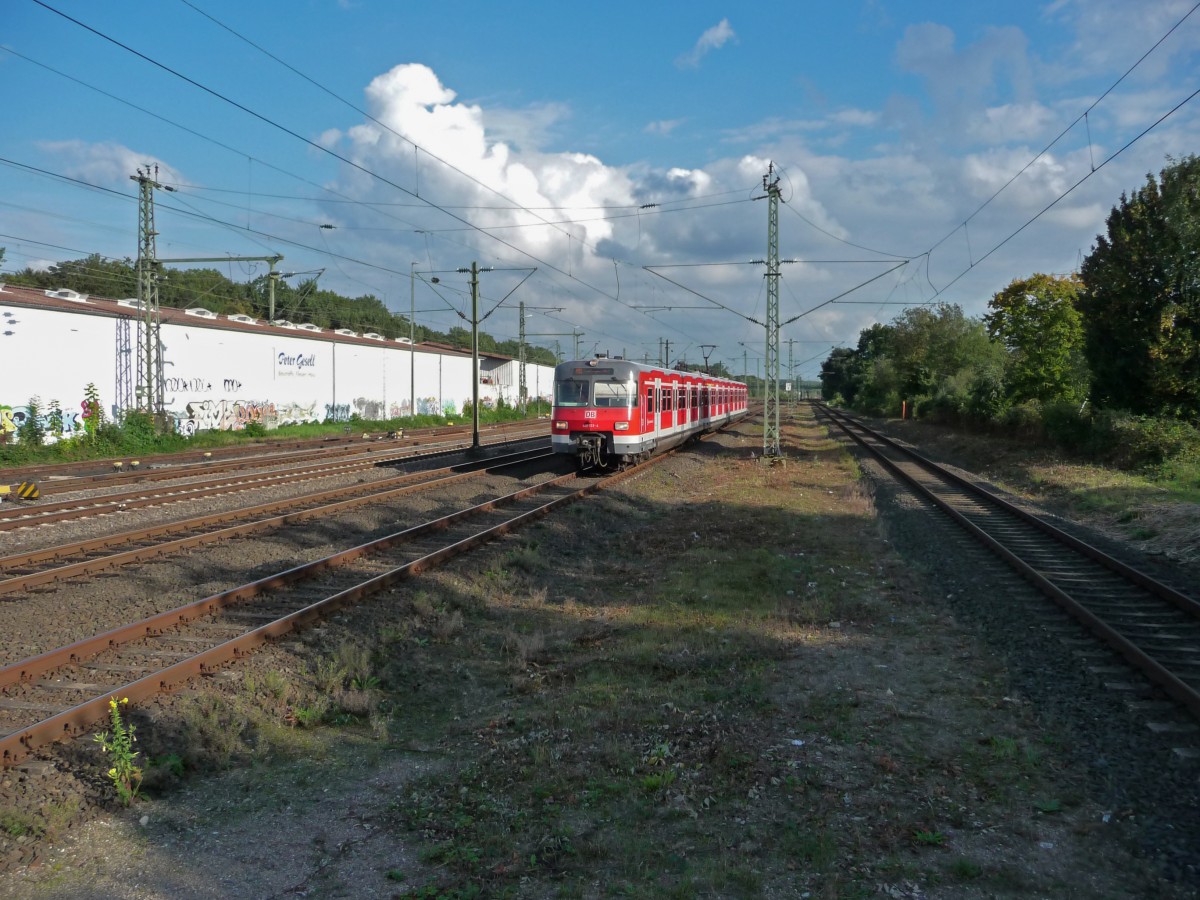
(771, 380)
(148, 395)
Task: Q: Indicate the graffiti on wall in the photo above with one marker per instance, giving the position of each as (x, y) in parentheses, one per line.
(337, 412)
(56, 424)
(234, 415)
(372, 410)
(199, 385)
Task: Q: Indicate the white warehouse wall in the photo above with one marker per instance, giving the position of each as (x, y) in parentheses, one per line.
(53, 356)
(224, 377)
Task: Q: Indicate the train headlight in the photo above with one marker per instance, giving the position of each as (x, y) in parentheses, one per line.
(561, 426)
(620, 426)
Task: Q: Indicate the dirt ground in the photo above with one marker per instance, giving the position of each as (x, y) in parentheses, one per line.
(823, 721)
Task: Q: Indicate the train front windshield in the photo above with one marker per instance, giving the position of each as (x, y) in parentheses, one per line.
(573, 392)
(601, 394)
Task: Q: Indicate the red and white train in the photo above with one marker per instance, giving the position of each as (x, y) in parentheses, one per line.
(610, 412)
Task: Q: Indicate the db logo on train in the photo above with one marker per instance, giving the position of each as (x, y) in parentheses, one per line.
(589, 414)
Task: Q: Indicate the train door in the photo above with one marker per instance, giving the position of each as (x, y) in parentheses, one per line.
(657, 406)
(650, 409)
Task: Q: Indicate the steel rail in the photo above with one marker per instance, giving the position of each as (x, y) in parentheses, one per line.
(329, 502)
(22, 516)
(17, 745)
(1175, 687)
(72, 476)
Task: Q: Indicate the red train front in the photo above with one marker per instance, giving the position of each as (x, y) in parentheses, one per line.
(609, 412)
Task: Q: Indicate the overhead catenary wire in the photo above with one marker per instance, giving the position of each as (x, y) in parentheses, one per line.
(931, 286)
(570, 275)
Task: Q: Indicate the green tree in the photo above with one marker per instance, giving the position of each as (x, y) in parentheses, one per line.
(1037, 321)
(91, 275)
(1141, 303)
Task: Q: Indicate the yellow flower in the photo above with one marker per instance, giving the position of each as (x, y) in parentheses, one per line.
(112, 703)
(125, 700)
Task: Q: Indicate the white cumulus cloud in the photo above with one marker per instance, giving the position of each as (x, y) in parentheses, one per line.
(713, 39)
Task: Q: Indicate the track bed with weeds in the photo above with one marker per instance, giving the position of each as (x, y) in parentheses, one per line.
(717, 679)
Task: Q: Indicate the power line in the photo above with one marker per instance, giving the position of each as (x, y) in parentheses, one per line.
(1081, 117)
(1065, 193)
(267, 120)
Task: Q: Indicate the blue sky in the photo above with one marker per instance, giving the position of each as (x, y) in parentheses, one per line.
(599, 144)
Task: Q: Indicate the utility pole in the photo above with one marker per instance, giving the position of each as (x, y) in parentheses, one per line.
(666, 360)
(522, 393)
(474, 270)
(771, 382)
(149, 390)
(412, 339)
(792, 373)
(521, 387)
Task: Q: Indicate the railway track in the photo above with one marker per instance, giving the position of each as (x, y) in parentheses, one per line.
(43, 567)
(61, 478)
(266, 473)
(65, 692)
(1154, 626)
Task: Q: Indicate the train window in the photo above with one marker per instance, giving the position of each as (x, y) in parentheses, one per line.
(572, 392)
(649, 399)
(614, 394)
(668, 399)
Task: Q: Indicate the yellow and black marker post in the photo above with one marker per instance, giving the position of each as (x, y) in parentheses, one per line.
(26, 490)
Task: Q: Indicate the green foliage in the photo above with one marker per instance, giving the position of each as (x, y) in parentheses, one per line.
(56, 419)
(30, 432)
(93, 417)
(1066, 425)
(929, 839)
(1130, 441)
(170, 762)
(1141, 307)
(117, 744)
(937, 360)
(138, 432)
(17, 824)
(1037, 321)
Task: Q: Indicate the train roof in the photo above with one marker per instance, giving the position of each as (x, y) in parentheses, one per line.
(629, 367)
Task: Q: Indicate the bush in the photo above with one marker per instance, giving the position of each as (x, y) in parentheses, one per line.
(1024, 421)
(1068, 426)
(1130, 441)
(30, 432)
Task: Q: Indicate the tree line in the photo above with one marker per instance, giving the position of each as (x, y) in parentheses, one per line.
(1107, 358)
(208, 288)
